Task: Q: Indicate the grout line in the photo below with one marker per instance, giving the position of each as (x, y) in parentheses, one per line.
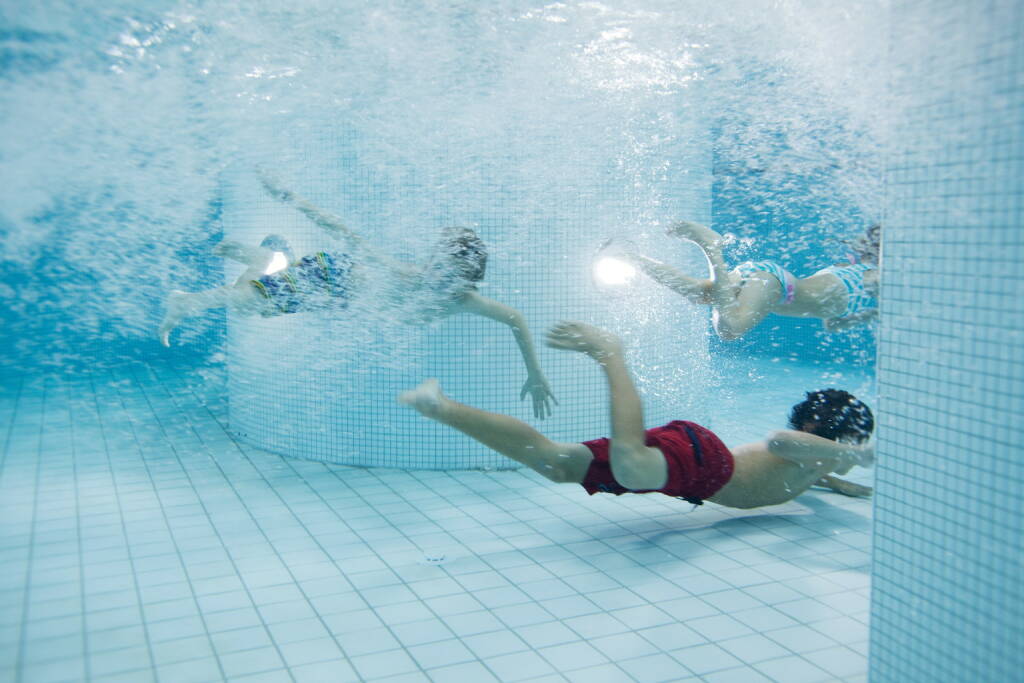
(170, 528)
(124, 527)
(19, 664)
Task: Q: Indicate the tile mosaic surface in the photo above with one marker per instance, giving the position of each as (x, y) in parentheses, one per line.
(141, 542)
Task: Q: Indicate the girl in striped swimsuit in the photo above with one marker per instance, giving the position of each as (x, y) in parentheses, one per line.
(842, 296)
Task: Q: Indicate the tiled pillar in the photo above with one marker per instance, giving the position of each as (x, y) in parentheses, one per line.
(948, 577)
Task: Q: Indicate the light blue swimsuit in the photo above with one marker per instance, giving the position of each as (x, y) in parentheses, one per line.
(787, 281)
(852, 277)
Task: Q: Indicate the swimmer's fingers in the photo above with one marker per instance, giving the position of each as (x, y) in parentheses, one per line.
(541, 407)
(563, 335)
(539, 392)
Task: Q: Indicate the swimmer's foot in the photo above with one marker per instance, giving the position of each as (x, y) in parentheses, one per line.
(426, 398)
(177, 308)
(702, 235)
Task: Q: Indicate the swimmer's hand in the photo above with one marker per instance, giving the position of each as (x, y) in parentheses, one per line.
(274, 187)
(593, 341)
(850, 321)
(866, 457)
(848, 488)
(537, 387)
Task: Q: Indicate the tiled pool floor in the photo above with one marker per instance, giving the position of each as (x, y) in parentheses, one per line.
(139, 541)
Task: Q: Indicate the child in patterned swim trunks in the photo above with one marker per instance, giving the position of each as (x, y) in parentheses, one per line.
(681, 459)
(275, 283)
(314, 282)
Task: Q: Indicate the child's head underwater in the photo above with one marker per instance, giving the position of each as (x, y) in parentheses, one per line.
(833, 414)
(458, 262)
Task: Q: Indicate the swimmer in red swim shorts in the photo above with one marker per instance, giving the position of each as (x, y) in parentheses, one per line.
(680, 459)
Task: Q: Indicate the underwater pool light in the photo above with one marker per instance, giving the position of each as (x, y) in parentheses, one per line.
(613, 271)
(277, 262)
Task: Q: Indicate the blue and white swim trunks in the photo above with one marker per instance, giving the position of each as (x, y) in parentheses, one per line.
(314, 282)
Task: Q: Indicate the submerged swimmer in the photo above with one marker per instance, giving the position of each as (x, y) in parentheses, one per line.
(829, 434)
(275, 283)
(842, 296)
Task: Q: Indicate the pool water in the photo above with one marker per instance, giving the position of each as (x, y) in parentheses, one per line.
(141, 541)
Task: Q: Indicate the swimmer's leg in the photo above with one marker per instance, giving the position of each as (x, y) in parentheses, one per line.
(559, 462)
(696, 290)
(180, 305)
(743, 311)
(722, 291)
(737, 309)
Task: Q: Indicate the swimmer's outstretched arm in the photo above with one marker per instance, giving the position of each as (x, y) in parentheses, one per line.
(328, 221)
(634, 464)
(809, 449)
(847, 488)
(855, 320)
(536, 384)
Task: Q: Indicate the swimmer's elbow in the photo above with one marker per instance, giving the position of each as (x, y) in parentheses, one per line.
(514, 319)
(634, 468)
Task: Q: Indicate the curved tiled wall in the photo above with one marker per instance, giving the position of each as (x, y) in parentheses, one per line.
(324, 387)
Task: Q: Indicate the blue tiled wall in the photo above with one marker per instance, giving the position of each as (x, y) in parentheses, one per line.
(303, 385)
(948, 586)
(56, 316)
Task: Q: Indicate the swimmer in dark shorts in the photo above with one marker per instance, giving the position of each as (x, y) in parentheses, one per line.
(681, 459)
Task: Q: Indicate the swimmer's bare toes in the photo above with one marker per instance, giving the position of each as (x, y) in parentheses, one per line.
(425, 398)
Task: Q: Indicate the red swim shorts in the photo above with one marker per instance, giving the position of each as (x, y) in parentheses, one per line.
(698, 462)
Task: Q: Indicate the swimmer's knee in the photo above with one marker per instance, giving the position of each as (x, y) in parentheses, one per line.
(726, 329)
(727, 334)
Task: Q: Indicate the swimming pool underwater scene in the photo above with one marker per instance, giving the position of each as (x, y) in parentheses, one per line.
(580, 341)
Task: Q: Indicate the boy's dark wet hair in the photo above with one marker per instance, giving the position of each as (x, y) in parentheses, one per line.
(465, 251)
(833, 414)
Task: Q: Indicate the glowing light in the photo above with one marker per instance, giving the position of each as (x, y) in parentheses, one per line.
(277, 262)
(613, 271)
